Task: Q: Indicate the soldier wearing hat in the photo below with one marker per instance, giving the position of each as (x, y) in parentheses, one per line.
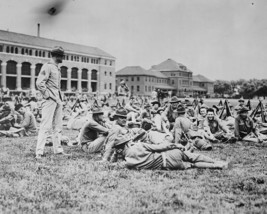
(183, 131)
(245, 128)
(118, 129)
(94, 132)
(48, 83)
(163, 156)
(170, 112)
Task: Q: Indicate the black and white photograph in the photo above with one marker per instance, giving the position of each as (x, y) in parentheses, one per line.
(133, 106)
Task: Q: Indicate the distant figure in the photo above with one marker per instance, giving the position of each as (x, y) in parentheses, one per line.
(123, 89)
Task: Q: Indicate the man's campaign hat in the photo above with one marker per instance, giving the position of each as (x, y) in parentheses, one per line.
(57, 51)
(174, 99)
(121, 113)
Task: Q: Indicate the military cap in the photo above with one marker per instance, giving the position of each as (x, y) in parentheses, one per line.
(241, 100)
(96, 110)
(121, 113)
(120, 140)
(57, 51)
(180, 109)
(243, 109)
(155, 101)
(174, 99)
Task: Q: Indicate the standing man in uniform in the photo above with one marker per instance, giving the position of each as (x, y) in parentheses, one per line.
(48, 83)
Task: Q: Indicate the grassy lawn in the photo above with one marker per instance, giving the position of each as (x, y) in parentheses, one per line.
(78, 184)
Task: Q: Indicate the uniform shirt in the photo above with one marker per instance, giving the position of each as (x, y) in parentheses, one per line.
(215, 125)
(182, 125)
(91, 130)
(243, 127)
(48, 81)
(29, 122)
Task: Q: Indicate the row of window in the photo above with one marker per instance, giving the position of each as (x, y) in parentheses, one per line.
(110, 73)
(110, 86)
(133, 89)
(181, 74)
(26, 70)
(149, 88)
(46, 54)
(148, 79)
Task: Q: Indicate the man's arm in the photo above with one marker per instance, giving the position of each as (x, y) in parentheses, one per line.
(159, 147)
(42, 79)
(177, 131)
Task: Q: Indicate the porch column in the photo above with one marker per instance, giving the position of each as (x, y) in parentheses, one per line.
(18, 85)
(3, 68)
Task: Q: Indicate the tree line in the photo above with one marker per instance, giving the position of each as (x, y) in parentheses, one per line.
(247, 89)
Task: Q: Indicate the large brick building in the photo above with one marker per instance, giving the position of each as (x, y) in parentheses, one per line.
(168, 75)
(84, 68)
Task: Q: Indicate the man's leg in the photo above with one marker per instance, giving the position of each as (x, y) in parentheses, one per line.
(57, 129)
(94, 146)
(48, 109)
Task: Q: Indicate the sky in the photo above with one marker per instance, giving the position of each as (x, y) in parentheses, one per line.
(220, 39)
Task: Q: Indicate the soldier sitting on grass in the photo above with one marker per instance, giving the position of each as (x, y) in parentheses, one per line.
(217, 128)
(246, 129)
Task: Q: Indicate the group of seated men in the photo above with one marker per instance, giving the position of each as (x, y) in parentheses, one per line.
(152, 134)
(165, 135)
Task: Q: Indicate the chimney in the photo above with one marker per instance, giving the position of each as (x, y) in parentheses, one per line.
(38, 29)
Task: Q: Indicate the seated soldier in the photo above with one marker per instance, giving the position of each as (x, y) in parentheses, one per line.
(94, 132)
(166, 156)
(118, 128)
(170, 111)
(28, 123)
(202, 128)
(160, 122)
(245, 128)
(183, 129)
(217, 129)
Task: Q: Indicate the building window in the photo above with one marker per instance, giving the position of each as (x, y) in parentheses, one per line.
(105, 62)
(146, 88)
(110, 63)
(105, 86)
(105, 73)
(1, 48)
(40, 53)
(138, 88)
(138, 78)
(110, 73)
(110, 86)
(132, 78)
(12, 50)
(126, 79)
(173, 82)
(132, 88)
(7, 49)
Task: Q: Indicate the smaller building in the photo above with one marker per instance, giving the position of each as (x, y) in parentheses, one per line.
(202, 85)
(141, 81)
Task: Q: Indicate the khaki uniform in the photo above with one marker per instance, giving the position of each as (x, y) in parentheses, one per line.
(48, 83)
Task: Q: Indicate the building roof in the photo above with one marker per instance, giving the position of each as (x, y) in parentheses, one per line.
(138, 71)
(169, 65)
(197, 88)
(50, 43)
(201, 78)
